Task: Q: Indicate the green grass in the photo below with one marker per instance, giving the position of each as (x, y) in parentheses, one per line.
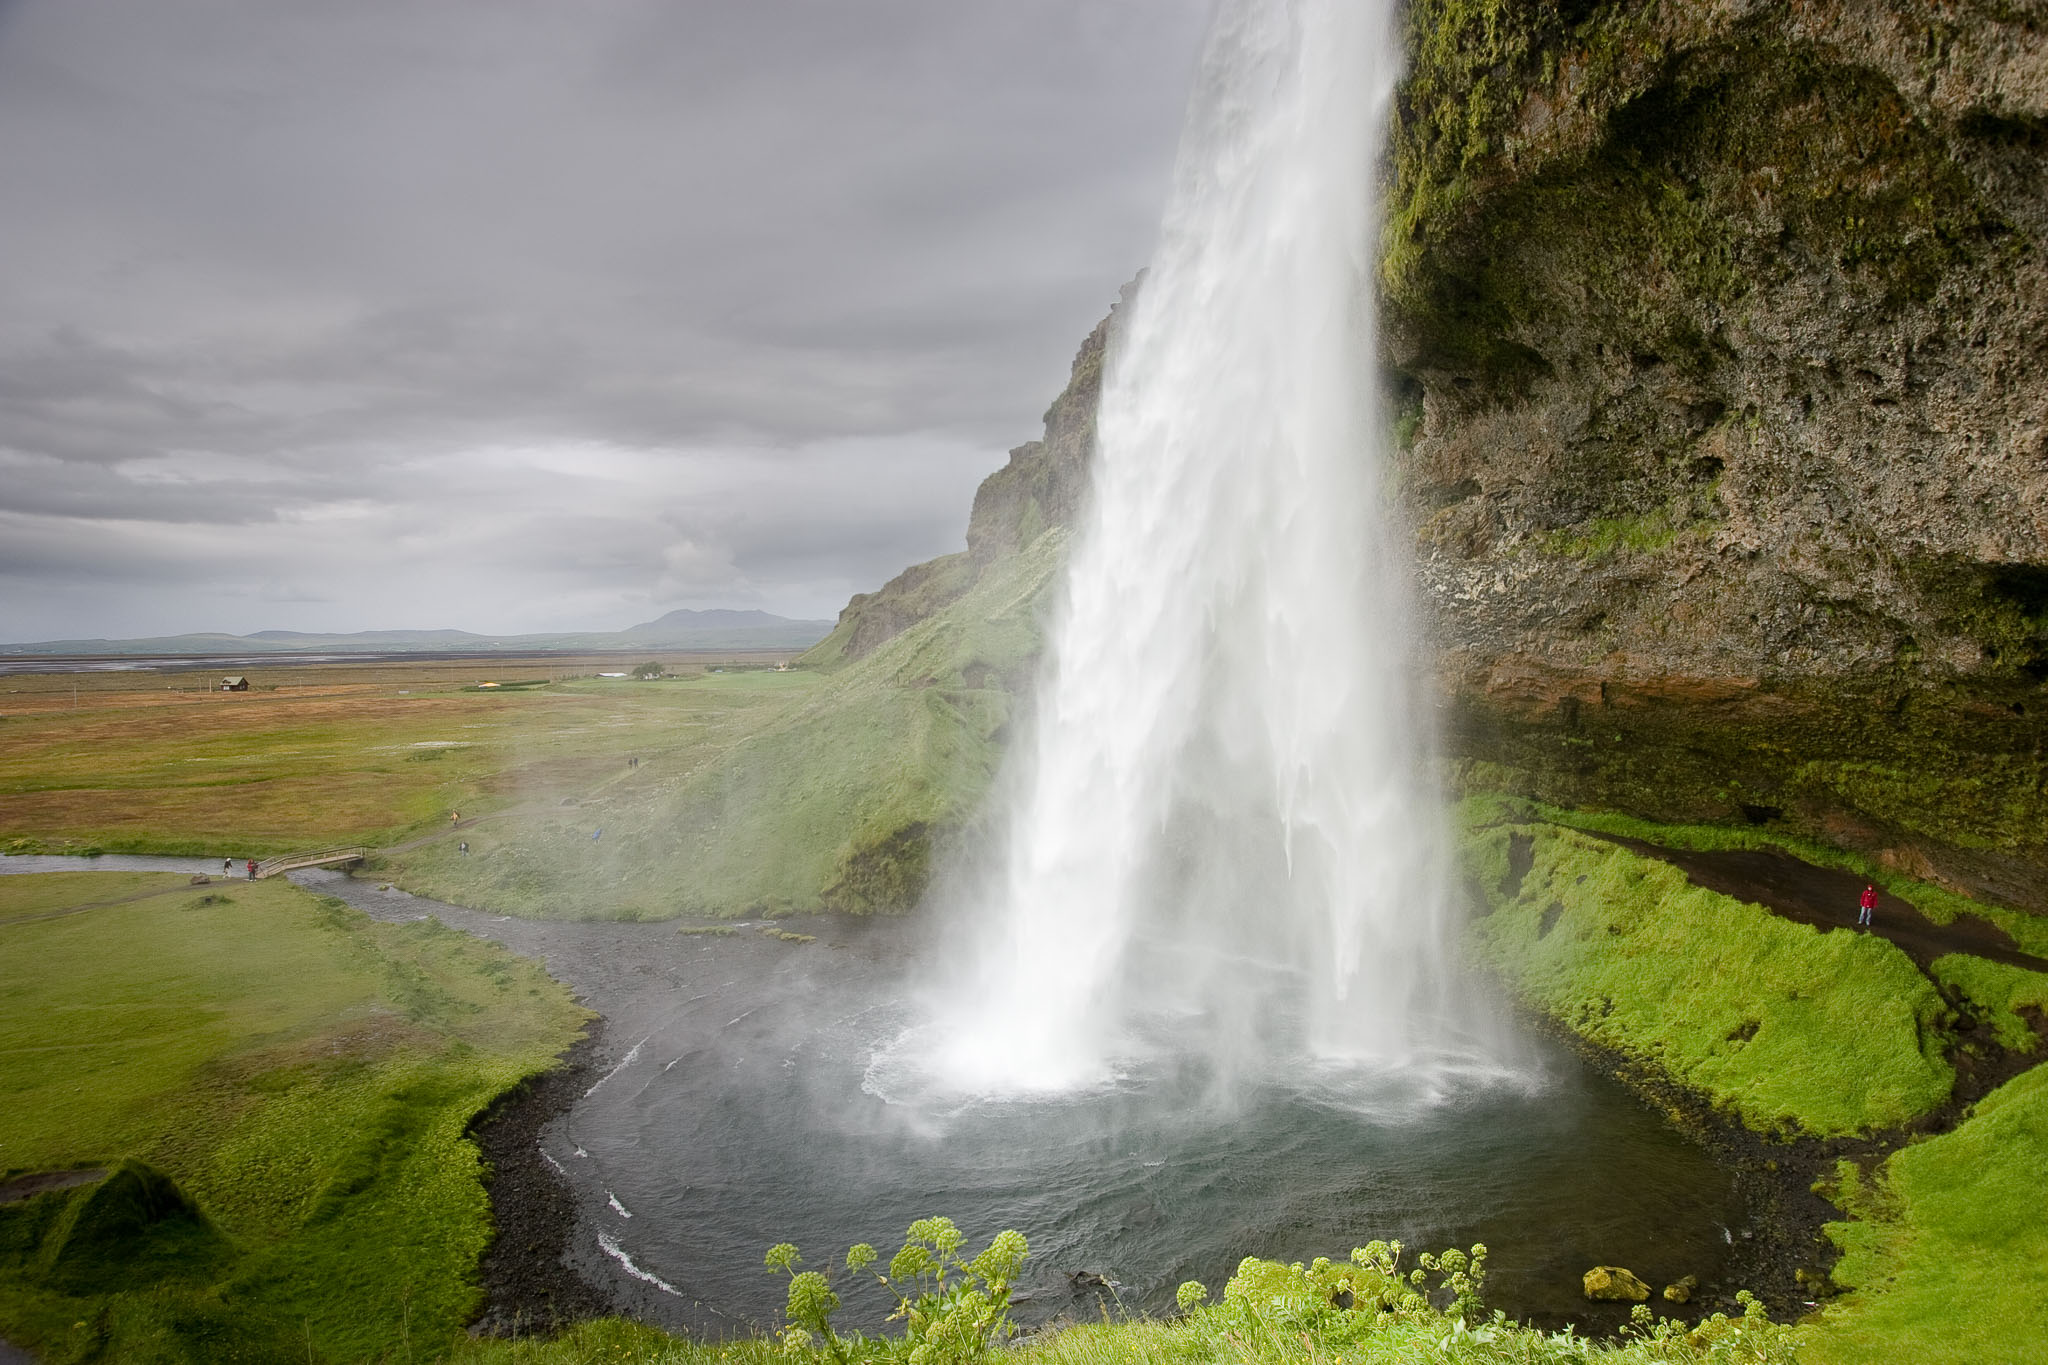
(344, 753)
(302, 1074)
(1939, 904)
(1949, 1256)
(818, 790)
(611, 1341)
(1788, 1028)
(2000, 992)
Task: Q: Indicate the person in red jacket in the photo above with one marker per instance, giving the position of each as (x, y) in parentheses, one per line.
(1869, 903)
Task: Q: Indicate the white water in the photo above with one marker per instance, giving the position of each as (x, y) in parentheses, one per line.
(1218, 841)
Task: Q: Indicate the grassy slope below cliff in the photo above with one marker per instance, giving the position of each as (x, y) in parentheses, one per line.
(303, 1075)
(833, 795)
(1788, 1028)
(1949, 1258)
(1802, 1032)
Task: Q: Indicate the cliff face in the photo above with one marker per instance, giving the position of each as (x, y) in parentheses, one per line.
(1721, 331)
(1040, 489)
(1717, 335)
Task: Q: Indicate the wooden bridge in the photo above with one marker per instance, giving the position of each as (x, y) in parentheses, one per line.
(325, 857)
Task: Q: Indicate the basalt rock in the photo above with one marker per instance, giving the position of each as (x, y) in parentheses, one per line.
(1719, 333)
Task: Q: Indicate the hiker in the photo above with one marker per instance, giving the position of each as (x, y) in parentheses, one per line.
(227, 867)
(463, 848)
(1868, 904)
(454, 819)
(252, 869)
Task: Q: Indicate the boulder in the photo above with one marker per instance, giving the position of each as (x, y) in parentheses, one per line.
(1613, 1284)
(1681, 1292)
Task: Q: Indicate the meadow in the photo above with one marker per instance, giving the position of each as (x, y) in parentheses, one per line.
(281, 1089)
(327, 753)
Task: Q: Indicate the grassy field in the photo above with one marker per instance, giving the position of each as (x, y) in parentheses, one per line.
(816, 789)
(315, 754)
(301, 1075)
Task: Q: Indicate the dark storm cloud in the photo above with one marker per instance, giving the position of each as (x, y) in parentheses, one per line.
(530, 315)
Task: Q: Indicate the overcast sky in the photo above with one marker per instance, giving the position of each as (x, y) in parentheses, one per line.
(522, 315)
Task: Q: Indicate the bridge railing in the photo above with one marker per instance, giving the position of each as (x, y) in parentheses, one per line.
(325, 857)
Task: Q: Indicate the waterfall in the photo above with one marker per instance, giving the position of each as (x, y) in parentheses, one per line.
(1215, 834)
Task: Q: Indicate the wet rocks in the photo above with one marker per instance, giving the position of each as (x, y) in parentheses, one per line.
(1681, 1290)
(1614, 1284)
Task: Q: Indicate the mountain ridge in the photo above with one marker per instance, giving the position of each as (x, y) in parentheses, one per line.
(683, 628)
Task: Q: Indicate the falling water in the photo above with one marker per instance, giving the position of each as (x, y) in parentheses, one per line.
(1219, 842)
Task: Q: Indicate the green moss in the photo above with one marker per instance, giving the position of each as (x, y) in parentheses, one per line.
(1788, 1028)
(2000, 992)
(1949, 1261)
(1603, 537)
(135, 1227)
(1602, 162)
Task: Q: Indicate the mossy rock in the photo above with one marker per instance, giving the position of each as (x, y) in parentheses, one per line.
(1615, 1284)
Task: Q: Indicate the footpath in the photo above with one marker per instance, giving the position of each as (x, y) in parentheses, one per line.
(1827, 898)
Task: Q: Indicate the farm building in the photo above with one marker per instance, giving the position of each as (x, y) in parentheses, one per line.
(234, 683)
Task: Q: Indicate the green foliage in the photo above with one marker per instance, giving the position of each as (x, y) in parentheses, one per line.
(1372, 1310)
(648, 670)
(1789, 1028)
(613, 1341)
(2000, 992)
(1949, 1258)
(953, 1309)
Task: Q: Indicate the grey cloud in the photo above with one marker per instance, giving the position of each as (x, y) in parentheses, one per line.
(273, 269)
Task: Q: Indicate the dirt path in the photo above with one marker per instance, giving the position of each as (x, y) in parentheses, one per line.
(1827, 897)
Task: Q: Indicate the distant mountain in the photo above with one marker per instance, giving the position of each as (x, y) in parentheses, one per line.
(678, 630)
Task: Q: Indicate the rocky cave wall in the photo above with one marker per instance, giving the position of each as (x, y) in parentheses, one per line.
(1719, 334)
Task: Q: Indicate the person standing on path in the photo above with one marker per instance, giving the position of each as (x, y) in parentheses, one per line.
(252, 869)
(227, 867)
(1868, 904)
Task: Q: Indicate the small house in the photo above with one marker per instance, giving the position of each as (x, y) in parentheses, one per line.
(234, 682)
